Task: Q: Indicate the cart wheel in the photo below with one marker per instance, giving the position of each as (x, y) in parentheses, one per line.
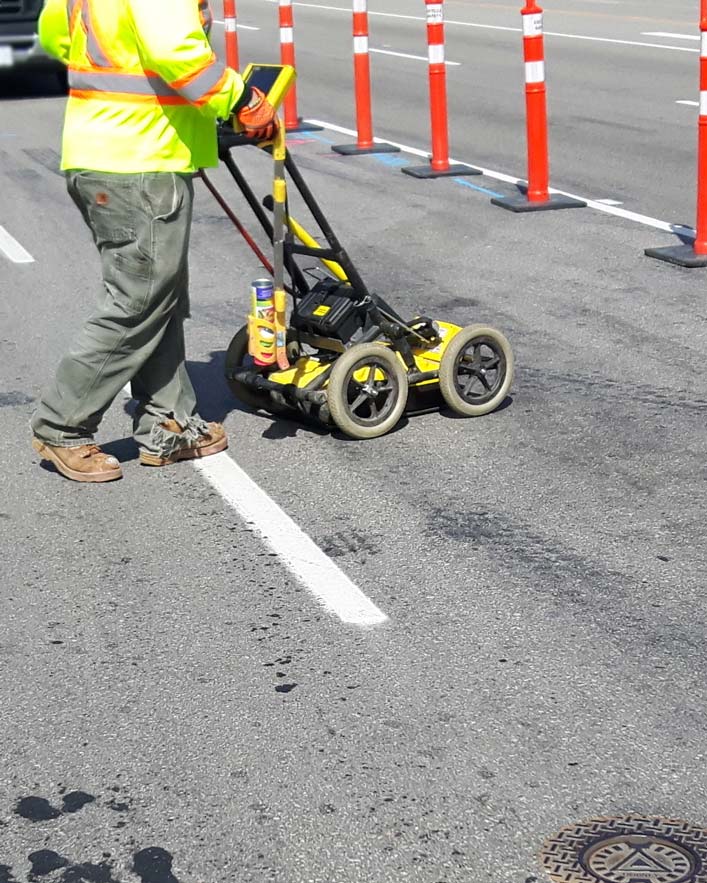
(237, 356)
(476, 370)
(367, 390)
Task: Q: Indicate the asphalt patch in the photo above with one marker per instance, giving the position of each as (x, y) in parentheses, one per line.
(38, 809)
(154, 865)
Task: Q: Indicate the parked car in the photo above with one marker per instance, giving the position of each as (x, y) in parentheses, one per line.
(19, 44)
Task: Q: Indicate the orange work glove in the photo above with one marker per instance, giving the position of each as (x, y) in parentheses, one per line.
(258, 117)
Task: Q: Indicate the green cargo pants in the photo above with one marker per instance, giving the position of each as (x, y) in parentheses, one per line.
(141, 225)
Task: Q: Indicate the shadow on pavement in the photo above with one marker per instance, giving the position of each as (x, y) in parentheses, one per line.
(216, 401)
(21, 84)
(123, 449)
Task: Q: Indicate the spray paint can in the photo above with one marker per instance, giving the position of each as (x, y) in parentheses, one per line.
(263, 308)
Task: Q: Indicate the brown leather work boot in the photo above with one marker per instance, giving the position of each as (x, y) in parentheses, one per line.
(212, 442)
(80, 463)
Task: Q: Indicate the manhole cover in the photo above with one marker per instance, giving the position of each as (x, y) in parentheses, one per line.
(627, 849)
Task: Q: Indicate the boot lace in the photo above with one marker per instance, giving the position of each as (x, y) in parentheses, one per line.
(90, 451)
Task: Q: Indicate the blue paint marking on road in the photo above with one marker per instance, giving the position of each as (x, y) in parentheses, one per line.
(390, 160)
(466, 183)
(312, 136)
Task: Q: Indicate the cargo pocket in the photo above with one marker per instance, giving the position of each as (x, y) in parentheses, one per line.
(120, 230)
(127, 272)
(126, 254)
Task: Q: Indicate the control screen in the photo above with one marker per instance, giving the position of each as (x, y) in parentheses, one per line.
(263, 77)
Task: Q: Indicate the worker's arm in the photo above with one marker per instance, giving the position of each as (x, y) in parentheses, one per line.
(172, 43)
(54, 30)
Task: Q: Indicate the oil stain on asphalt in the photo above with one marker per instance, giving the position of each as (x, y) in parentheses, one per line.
(38, 809)
(150, 865)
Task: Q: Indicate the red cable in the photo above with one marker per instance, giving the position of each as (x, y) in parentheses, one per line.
(236, 223)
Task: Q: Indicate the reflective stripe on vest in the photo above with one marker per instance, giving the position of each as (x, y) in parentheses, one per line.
(199, 86)
(103, 77)
(206, 16)
(72, 11)
(125, 84)
(93, 46)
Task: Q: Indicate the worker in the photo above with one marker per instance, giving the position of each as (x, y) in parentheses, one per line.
(145, 92)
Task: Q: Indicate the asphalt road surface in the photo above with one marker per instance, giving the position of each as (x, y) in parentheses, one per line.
(177, 705)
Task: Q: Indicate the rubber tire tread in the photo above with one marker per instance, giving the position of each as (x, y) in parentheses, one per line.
(336, 394)
(447, 371)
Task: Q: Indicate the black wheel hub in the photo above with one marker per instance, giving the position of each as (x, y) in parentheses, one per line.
(370, 401)
(480, 369)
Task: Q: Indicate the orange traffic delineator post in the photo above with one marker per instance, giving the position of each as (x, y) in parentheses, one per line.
(362, 87)
(293, 123)
(537, 197)
(695, 255)
(231, 33)
(439, 165)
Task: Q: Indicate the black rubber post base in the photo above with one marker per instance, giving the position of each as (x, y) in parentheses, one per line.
(355, 150)
(302, 126)
(681, 255)
(523, 204)
(429, 172)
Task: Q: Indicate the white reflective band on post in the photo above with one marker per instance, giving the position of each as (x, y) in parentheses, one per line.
(360, 5)
(287, 35)
(533, 24)
(703, 104)
(435, 15)
(360, 45)
(703, 44)
(435, 53)
(230, 25)
(534, 71)
(285, 2)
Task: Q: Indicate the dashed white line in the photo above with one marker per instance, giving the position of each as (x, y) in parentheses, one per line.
(689, 103)
(670, 35)
(646, 220)
(12, 249)
(297, 551)
(415, 57)
(240, 27)
(609, 201)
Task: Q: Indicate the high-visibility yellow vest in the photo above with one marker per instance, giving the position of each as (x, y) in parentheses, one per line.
(145, 87)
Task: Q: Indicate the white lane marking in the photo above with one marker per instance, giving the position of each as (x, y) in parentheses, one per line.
(416, 57)
(12, 249)
(689, 103)
(297, 551)
(470, 24)
(668, 34)
(219, 21)
(609, 201)
(646, 220)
